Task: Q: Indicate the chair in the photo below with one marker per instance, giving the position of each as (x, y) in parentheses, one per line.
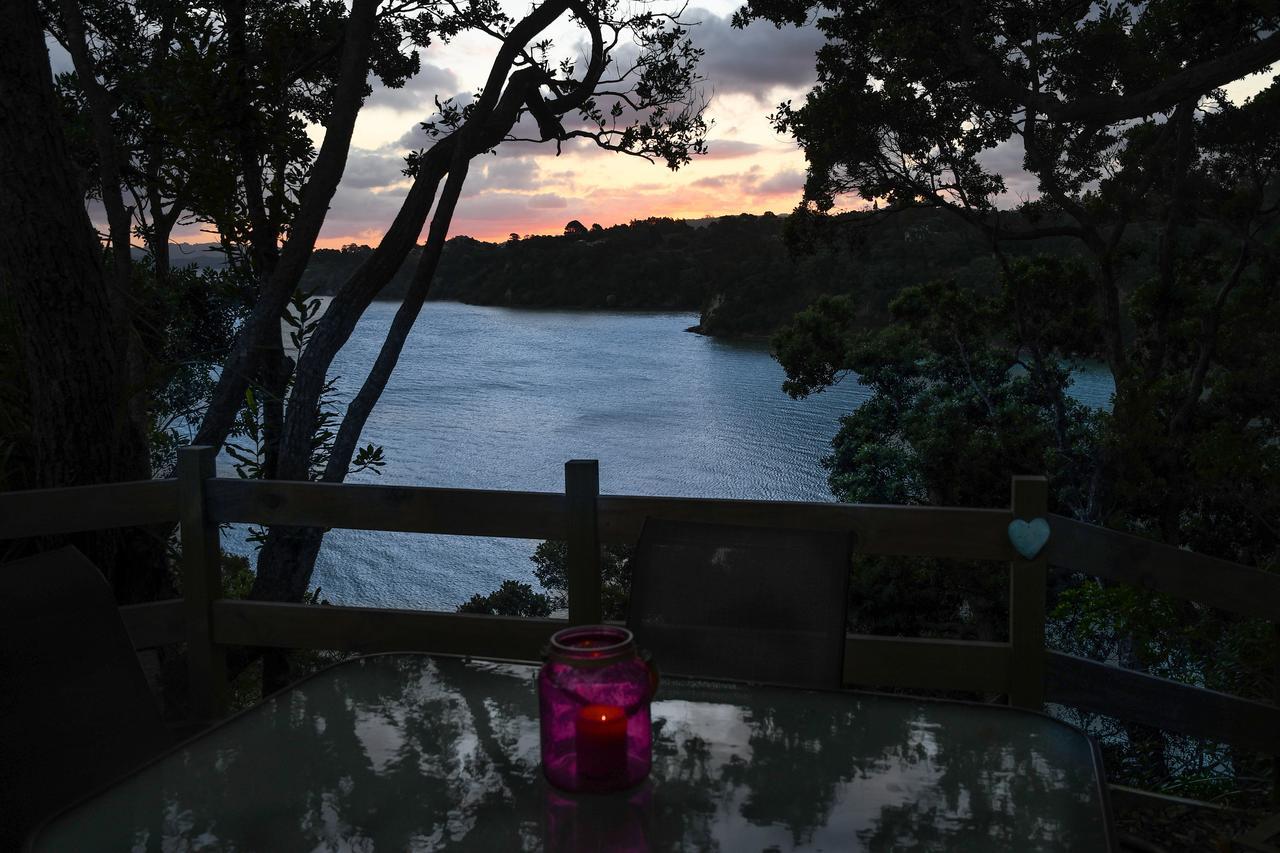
(742, 603)
(75, 709)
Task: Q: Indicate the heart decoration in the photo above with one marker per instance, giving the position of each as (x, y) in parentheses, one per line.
(1028, 537)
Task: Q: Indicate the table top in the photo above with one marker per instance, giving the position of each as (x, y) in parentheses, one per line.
(417, 752)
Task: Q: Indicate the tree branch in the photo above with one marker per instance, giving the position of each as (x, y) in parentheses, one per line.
(1192, 82)
(326, 172)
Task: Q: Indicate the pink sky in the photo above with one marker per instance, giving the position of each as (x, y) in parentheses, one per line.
(525, 188)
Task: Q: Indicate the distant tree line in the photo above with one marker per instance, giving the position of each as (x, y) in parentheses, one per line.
(740, 272)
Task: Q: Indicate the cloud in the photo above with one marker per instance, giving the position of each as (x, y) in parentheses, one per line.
(359, 211)
(547, 201)
(786, 182)
(510, 212)
(418, 93)
(502, 174)
(729, 149)
(757, 59)
(1006, 159)
(368, 169)
(753, 183)
(416, 137)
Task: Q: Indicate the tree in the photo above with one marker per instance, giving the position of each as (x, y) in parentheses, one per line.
(551, 568)
(71, 314)
(574, 229)
(1168, 189)
(665, 123)
(200, 112)
(177, 113)
(511, 599)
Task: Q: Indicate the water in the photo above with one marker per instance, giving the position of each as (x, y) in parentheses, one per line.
(495, 398)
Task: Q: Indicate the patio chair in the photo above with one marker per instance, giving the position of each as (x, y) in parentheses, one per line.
(75, 709)
(743, 603)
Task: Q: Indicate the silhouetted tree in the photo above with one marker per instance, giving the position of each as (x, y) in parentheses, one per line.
(1135, 151)
(666, 124)
(70, 313)
(511, 599)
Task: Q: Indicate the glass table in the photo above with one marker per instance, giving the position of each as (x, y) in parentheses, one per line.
(418, 752)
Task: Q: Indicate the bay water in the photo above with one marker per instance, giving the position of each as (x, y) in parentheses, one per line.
(496, 398)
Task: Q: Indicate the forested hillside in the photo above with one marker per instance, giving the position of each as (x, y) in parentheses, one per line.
(736, 270)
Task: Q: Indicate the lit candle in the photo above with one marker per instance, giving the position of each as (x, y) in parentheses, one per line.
(601, 732)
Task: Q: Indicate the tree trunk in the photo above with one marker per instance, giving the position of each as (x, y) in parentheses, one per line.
(287, 559)
(246, 353)
(51, 269)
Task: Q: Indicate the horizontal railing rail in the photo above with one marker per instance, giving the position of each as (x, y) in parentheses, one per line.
(405, 509)
(587, 519)
(1155, 566)
(927, 664)
(1170, 705)
(946, 532)
(369, 629)
(909, 531)
(77, 509)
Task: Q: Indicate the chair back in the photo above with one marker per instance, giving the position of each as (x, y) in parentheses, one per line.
(75, 708)
(744, 603)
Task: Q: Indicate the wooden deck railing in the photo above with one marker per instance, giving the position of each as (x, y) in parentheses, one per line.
(1021, 668)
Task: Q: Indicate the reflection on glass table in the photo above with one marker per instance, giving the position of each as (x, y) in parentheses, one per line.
(417, 752)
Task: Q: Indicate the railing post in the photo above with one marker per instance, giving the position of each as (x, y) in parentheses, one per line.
(1275, 700)
(582, 488)
(1028, 581)
(201, 583)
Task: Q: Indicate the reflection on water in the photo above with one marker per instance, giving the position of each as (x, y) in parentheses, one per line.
(412, 753)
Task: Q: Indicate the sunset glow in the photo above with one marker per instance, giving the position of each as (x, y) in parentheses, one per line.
(526, 189)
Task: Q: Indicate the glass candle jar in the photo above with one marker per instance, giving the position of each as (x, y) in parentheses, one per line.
(593, 696)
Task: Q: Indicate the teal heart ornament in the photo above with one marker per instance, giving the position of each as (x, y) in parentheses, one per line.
(1028, 537)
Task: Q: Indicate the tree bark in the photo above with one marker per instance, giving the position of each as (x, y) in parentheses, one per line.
(345, 310)
(119, 221)
(51, 268)
(289, 554)
(495, 114)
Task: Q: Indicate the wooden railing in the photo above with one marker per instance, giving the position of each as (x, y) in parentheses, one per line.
(1021, 668)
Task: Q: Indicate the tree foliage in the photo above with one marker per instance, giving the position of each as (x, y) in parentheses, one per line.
(1133, 151)
(736, 271)
(551, 568)
(511, 599)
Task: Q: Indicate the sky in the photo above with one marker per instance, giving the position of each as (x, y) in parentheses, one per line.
(526, 188)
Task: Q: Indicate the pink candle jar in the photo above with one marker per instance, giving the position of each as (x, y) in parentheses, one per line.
(593, 695)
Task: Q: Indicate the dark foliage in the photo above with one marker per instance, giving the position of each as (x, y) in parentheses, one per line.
(1168, 192)
(511, 599)
(551, 567)
(738, 271)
